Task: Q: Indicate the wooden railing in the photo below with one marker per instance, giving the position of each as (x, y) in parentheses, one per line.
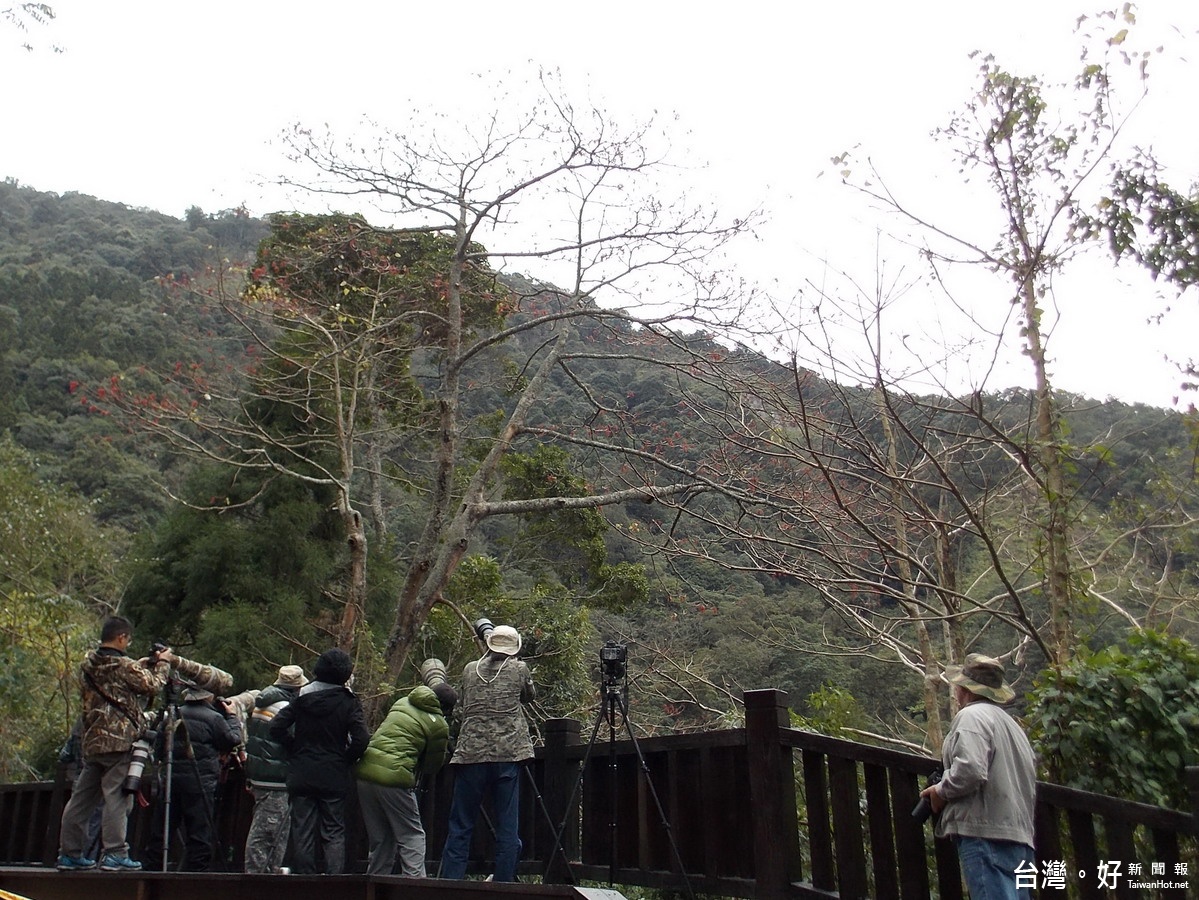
(761, 811)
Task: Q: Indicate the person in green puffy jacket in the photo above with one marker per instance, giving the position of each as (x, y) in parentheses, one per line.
(410, 743)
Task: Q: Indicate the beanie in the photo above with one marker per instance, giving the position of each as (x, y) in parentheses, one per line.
(333, 667)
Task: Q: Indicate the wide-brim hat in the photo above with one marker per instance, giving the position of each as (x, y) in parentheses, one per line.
(291, 676)
(982, 675)
(504, 639)
(195, 695)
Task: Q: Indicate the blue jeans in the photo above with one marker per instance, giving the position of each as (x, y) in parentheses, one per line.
(989, 867)
(471, 782)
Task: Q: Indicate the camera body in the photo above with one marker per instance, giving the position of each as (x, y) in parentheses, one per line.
(924, 808)
(614, 658)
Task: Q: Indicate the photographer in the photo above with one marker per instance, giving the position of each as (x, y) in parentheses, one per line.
(266, 768)
(207, 728)
(409, 745)
(493, 741)
(323, 731)
(987, 795)
(115, 690)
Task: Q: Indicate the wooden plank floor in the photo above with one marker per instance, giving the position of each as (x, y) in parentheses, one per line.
(37, 883)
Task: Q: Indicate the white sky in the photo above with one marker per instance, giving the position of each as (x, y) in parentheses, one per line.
(174, 103)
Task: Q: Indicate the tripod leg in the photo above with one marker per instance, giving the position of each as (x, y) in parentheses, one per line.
(613, 788)
(662, 817)
(601, 714)
(548, 820)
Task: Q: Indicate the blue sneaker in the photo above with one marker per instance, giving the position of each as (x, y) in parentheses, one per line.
(113, 863)
(70, 863)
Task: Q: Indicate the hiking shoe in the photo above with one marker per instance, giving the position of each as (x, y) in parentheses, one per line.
(68, 863)
(114, 863)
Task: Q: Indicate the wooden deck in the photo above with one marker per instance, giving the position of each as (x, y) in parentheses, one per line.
(48, 884)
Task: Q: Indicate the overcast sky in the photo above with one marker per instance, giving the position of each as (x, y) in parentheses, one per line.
(167, 105)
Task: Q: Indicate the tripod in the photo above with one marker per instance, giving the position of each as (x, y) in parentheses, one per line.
(170, 723)
(615, 705)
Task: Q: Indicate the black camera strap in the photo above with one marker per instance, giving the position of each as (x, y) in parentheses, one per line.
(136, 720)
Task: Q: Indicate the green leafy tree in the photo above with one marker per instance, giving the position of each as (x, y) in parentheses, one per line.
(57, 579)
(1157, 225)
(1123, 721)
(241, 575)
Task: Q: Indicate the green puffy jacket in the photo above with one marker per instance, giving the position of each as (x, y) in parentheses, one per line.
(410, 743)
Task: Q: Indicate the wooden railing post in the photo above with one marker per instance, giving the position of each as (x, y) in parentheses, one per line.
(772, 794)
(561, 779)
(1192, 780)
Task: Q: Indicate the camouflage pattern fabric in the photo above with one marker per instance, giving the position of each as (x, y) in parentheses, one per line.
(494, 728)
(116, 689)
(266, 843)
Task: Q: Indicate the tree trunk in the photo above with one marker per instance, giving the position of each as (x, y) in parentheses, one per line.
(1049, 451)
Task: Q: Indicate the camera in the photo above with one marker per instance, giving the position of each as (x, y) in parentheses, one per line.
(614, 659)
(143, 750)
(483, 627)
(924, 808)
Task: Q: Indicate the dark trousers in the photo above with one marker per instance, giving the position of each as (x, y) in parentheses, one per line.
(193, 812)
(318, 825)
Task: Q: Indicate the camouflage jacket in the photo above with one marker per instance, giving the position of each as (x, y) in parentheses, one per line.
(494, 728)
(116, 689)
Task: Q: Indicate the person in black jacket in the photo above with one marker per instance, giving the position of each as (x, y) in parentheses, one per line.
(207, 729)
(324, 733)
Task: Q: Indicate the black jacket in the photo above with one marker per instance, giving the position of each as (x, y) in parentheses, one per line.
(210, 734)
(324, 732)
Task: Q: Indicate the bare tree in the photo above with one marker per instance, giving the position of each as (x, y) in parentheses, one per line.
(23, 15)
(371, 350)
(928, 521)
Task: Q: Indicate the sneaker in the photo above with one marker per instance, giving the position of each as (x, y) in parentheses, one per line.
(114, 863)
(68, 863)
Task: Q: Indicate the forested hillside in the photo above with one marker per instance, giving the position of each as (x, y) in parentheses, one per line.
(164, 453)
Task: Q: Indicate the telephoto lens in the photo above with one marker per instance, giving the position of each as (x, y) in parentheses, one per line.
(142, 751)
(432, 672)
(483, 627)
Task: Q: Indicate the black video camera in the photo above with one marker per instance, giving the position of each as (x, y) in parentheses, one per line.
(924, 808)
(614, 659)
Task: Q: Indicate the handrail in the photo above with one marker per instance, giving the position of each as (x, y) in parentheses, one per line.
(760, 811)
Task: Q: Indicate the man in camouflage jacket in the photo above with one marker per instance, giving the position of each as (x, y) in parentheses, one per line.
(493, 742)
(115, 690)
